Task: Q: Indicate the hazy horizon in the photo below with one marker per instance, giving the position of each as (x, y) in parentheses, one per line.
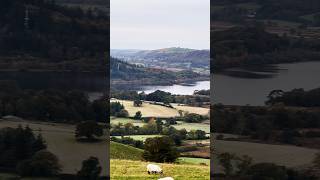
(158, 24)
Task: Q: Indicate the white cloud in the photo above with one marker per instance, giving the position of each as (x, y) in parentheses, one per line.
(152, 24)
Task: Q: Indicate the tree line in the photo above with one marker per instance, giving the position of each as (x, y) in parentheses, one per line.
(50, 105)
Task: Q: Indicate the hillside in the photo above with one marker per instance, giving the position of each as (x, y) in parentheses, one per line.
(126, 73)
(254, 45)
(121, 151)
(239, 11)
(175, 57)
(42, 35)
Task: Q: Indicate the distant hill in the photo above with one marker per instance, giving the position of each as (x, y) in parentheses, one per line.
(126, 73)
(167, 58)
(42, 35)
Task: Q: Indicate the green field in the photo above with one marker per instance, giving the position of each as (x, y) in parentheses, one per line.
(136, 170)
(181, 125)
(140, 137)
(151, 110)
(61, 141)
(187, 160)
(7, 176)
(192, 126)
(115, 120)
(287, 155)
(121, 151)
(126, 163)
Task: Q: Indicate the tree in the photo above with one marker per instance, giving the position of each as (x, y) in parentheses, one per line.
(138, 115)
(89, 129)
(115, 107)
(243, 164)
(122, 113)
(193, 118)
(90, 169)
(265, 171)
(225, 160)
(160, 149)
(43, 163)
(137, 103)
(316, 161)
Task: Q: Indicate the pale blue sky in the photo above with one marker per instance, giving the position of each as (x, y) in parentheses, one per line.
(154, 24)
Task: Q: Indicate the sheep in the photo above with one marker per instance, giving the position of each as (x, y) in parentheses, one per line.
(154, 169)
(166, 178)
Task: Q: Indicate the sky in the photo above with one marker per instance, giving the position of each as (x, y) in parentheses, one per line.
(156, 24)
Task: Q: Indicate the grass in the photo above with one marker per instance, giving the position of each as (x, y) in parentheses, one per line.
(151, 110)
(115, 120)
(190, 109)
(187, 160)
(181, 125)
(121, 151)
(8, 176)
(192, 126)
(136, 170)
(287, 155)
(140, 137)
(60, 140)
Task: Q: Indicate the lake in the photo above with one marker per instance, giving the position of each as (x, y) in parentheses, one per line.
(178, 89)
(247, 86)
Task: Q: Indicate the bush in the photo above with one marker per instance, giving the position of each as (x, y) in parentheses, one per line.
(90, 169)
(160, 149)
(43, 163)
(265, 171)
(193, 118)
(122, 113)
(89, 129)
(138, 115)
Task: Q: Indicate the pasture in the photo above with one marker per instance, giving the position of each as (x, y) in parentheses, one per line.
(180, 125)
(152, 110)
(140, 137)
(136, 170)
(61, 141)
(287, 155)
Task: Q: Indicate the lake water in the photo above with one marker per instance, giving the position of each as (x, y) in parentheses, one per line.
(240, 89)
(178, 89)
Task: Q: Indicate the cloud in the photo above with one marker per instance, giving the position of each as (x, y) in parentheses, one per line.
(152, 24)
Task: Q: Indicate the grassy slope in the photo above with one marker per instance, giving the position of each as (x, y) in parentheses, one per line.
(136, 170)
(126, 163)
(121, 151)
(60, 140)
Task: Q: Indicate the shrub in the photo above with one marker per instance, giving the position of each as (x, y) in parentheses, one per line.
(90, 169)
(43, 163)
(89, 129)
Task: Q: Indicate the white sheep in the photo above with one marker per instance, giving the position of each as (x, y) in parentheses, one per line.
(166, 178)
(154, 169)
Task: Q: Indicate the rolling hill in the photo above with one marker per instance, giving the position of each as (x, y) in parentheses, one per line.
(126, 73)
(174, 57)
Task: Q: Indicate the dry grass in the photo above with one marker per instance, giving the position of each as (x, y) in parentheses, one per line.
(190, 109)
(60, 140)
(151, 110)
